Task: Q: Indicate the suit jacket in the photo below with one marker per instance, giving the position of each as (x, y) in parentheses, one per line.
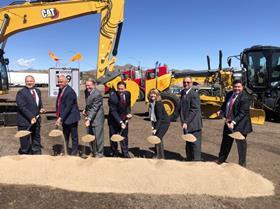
(27, 107)
(240, 112)
(190, 112)
(161, 115)
(94, 108)
(116, 110)
(69, 110)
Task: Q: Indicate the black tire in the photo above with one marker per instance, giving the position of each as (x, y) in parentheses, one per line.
(141, 96)
(204, 92)
(171, 105)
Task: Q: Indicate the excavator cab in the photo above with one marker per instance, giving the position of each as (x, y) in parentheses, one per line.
(4, 80)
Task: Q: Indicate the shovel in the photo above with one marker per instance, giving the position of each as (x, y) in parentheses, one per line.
(118, 137)
(55, 133)
(26, 132)
(188, 137)
(236, 135)
(87, 139)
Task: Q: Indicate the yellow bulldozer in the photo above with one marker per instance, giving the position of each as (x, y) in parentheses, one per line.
(257, 61)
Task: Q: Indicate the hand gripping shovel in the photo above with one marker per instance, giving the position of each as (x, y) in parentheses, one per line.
(188, 137)
(87, 139)
(26, 132)
(56, 133)
(118, 137)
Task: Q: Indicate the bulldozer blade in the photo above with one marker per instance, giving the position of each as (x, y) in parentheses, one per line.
(257, 116)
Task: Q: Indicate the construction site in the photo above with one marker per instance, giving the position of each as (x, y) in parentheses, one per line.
(56, 179)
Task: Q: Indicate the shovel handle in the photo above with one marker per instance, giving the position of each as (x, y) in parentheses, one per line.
(185, 130)
(126, 122)
(29, 127)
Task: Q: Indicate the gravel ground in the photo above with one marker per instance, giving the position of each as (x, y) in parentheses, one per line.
(263, 158)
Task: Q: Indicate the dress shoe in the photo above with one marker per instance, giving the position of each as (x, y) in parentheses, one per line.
(126, 156)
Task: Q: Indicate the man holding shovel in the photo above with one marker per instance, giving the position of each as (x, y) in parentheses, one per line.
(67, 113)
(94, 120)
(236, 110)
(119, 112)
(29, 105)
(190, 115)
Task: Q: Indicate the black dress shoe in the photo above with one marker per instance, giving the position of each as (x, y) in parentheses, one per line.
(126, 156)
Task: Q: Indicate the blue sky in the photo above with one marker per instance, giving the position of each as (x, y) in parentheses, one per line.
(180, 33)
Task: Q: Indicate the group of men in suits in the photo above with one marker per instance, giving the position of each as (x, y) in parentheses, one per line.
(235, 109)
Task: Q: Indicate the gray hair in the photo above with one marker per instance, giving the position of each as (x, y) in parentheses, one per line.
(29, 76)
(93, 81)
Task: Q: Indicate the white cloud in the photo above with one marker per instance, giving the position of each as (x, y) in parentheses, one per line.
(25, 62)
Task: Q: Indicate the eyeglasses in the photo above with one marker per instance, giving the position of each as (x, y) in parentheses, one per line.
(187, 82)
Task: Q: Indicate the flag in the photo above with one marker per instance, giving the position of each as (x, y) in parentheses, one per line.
(76, 57)
(52, 55)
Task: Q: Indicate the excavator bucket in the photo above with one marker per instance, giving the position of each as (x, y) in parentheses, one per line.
(257, 116)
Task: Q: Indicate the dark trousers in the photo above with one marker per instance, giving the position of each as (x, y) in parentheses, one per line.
(97, 146)
(227, 144)
(159, 148)
(73, 130)
(31, 144)
(124, 143)
(193, 149)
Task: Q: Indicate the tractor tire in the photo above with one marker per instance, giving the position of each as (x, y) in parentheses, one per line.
(141, 96)
(171, 105)
(204, 92)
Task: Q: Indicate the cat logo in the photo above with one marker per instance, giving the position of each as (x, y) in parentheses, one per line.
(49, 13)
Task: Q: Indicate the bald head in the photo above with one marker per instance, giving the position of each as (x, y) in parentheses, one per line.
(62, 81)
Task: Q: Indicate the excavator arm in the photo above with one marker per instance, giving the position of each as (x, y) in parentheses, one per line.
(23, 16)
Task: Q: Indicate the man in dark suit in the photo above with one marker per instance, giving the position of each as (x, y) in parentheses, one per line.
(190, 115)
(29, 105)
(119, 112)
(67, 112)
(94, 117)
(236, 110)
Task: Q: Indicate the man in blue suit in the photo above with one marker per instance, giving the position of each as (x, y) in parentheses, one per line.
(119, 111)
(29, 105)
(67, 112)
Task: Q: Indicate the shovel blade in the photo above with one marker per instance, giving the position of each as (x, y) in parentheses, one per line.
(153, 139)
(188, 137)
(88, 138)
(237, 135)
(55, 133)
(117, 138)
(22, 134)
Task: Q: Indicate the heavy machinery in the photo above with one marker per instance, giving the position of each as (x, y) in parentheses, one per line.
(23, 15)
(260, 70)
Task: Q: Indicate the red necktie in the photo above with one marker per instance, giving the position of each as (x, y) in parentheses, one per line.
(58, 105)
(230, 106)
(33, 94)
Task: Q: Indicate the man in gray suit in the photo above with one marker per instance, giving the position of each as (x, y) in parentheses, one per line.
(94, 120)
(191, 120)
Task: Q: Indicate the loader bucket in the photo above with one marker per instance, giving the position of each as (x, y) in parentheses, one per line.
(257, 116)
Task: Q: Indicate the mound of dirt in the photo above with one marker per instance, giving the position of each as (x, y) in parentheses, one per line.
(116, 175)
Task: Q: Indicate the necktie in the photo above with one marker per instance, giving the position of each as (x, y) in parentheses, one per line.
(33, 94)
(230, 106)
(123, 115)
(58, 105)
(123, 101)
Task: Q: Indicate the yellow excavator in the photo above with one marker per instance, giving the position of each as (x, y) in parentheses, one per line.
(22, 15)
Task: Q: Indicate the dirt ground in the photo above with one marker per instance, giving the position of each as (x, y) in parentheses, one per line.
(263, 157)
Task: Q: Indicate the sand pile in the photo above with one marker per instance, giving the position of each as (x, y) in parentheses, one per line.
(133, 176)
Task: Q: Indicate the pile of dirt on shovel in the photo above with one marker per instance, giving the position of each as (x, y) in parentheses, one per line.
(146, 176)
